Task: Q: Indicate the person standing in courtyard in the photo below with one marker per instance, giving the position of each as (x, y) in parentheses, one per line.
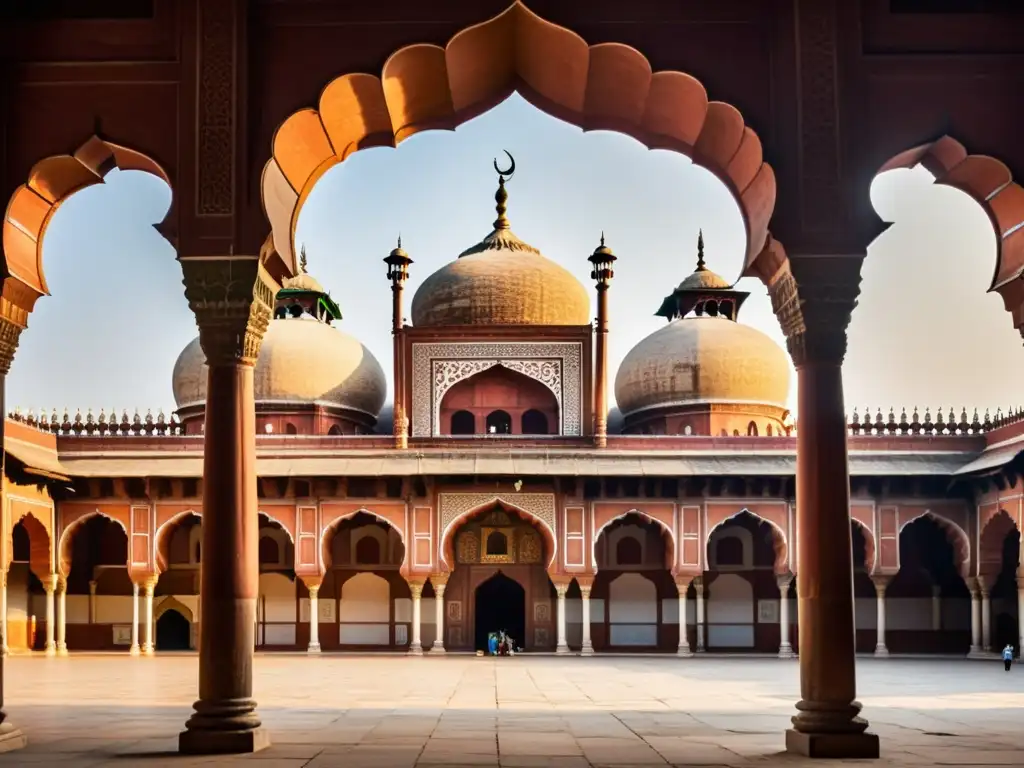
(1007, 657)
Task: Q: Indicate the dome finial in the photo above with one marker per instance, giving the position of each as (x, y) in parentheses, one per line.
(302, 259)
(602, 238)
(700, 251)
(501, 196)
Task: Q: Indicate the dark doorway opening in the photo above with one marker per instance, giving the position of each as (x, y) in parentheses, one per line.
(173, 632)
(499, 423)
(500, 605)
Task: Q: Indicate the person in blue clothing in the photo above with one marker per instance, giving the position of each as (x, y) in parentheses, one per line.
(492, 643)
(1007, 657)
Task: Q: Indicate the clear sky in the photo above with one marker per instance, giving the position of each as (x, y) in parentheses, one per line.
(925, 333)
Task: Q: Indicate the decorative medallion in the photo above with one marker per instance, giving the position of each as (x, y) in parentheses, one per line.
(438, 367)
(542, 612)
(454, 610)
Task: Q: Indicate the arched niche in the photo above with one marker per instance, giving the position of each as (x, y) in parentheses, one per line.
(991, 538)
(66, 541)
(177, 540)
(39, 554)
(535, 508)
(93, 540)
(607, 86)
(954, 534)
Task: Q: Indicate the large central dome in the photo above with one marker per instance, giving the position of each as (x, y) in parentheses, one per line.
(501, 281)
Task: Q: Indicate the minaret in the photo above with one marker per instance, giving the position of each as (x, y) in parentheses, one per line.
(398, 262)
(603, 261)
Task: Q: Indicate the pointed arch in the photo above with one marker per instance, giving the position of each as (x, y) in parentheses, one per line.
(607, 86)
(956, 536)
(331, 528)
(171, 603)
(666, 531)
(68, 534)
(479, 503)
(32, 206)
(164, 533)
(779, 541)
(991, 536)
(277, 521)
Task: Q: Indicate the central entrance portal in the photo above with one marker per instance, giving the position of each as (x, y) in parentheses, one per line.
(500, 605)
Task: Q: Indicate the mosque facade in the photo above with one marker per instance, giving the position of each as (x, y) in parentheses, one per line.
(492, 487)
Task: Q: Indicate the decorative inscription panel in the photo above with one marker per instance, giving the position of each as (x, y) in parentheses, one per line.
(438, 367)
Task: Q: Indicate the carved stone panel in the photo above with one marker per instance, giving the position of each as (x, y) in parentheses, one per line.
(436, 368)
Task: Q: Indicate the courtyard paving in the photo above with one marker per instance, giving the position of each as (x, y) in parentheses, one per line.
(395, 711)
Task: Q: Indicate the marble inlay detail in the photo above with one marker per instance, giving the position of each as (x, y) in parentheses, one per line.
(438, 367)
(456, 506)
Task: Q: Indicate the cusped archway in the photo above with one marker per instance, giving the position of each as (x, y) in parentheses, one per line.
(752, 520)
(606, 86)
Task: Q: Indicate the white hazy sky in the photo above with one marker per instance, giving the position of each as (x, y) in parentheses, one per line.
(926, 333)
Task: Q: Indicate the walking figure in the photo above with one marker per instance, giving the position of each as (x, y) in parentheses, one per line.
(1007, 657)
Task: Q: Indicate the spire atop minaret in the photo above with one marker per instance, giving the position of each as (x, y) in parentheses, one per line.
(302, 260)
(700, 251)
(501, 196)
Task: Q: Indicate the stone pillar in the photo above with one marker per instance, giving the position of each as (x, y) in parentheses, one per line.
(232, 298)
(3, 613)
(975, 619)
(416, 590)
(439, 580)
(682, 586)
(62, 617)
(562, 646)
(603, 262)
(813, 300)
(148, 646)
(881, 584)
(50, 585)
(398, 262)
(135, 619)
(785, 649)
(13, 319)
(698, 586)
(314, 617)
(92, 602)
(586, 647)
(986, 616)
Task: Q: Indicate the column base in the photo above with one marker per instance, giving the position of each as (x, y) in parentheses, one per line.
(313, 648)
(223, 742)
(62, 649)
(50, 650)
(11, 738)
(686, 653)
(881, 652)
(415, 650)
(833, 745)
(786, 652)
(437, 647)
(587, 650)
(134, 651)
(562, 650)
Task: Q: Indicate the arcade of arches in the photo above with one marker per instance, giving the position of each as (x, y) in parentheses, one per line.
(918, 589)
(625, 520)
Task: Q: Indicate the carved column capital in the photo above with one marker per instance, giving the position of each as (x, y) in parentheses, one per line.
(439, 580)
(416, 589)
(881, 584)
(13, 320)
(561, 590)
(814, 299)
(233, 299)
(683, 583)
(585, 591)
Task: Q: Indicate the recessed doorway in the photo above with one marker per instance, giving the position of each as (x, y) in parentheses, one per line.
(173, 632)
(500, 605)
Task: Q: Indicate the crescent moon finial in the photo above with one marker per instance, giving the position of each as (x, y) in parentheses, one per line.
(508, 172)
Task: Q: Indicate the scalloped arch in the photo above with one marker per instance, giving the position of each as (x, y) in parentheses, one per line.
(40, 552)
(30, 209)
(666, 531)
(327, 535)
(991, 184)
(779, 540)
(608, 86)
(870, 553)
(164, 533)
(67, 536)
(955, 535)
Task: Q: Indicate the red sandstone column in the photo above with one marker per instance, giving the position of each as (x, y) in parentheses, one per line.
(398, 262)
(603, 261)
(232, 300)
(814, 310)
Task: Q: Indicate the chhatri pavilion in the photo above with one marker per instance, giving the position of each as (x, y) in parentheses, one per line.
(496, 490)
